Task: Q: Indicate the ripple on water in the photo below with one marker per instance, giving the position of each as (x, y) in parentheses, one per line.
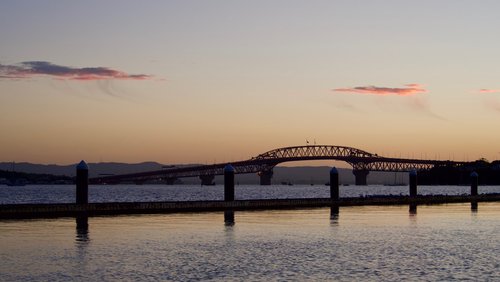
(145, 193)
(445, 242)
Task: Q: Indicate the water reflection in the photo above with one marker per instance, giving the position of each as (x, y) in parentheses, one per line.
(82, 229)
(229, 218)
(334, 215)
(299, 244)
(473, 206)
(413, 209)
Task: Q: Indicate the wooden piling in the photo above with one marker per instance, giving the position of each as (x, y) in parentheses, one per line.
(413, 183)
(82, 183)
(228, 183)
(474, 179)
(334, 184)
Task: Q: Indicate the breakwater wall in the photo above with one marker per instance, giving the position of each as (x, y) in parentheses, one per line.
(13, 211)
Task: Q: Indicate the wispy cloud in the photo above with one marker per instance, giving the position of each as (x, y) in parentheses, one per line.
(490, 101)
(26, 70)
(495, 106)
(421, 104)
(489, 90)
(492, 104)
(409, 89)
(415, 102)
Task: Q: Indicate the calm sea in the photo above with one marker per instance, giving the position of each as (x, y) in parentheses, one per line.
(389, 243)
(146, 193)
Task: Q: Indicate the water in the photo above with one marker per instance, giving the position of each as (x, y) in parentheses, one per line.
(389, 243)
(441, 242)
(138, 193)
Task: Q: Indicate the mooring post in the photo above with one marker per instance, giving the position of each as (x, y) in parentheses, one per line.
(228, 183)
(334, 184)
(413, 183)
(82, 183)
(474, 179)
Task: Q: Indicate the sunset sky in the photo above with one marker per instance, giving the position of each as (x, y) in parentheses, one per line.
(220, 81)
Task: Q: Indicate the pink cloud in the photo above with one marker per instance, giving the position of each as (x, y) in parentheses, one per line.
(409, 89)
(489, 90)
(27, 70)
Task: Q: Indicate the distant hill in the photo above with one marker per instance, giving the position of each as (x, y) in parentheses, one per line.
(95, 169)
(20, 178)
(295, 175)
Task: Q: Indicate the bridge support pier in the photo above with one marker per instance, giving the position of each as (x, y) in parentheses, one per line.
(207, 180)
(360, 176)
(265, 177)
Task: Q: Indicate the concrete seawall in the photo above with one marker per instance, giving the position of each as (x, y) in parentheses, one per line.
(95, 209)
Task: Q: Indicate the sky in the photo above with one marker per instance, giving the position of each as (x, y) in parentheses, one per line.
(220, 81)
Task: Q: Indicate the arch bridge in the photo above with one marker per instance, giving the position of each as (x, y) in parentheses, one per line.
(361, 161)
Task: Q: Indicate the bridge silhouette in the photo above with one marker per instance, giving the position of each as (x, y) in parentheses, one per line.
(361, 161)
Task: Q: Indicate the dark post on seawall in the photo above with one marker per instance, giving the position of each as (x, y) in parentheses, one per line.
(474, 179)
(413, 183)
(334, 184)
(228, 183)
(82, 183)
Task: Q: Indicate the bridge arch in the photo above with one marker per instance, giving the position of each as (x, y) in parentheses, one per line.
(361, 161)
(316, 152)
(297, 153)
